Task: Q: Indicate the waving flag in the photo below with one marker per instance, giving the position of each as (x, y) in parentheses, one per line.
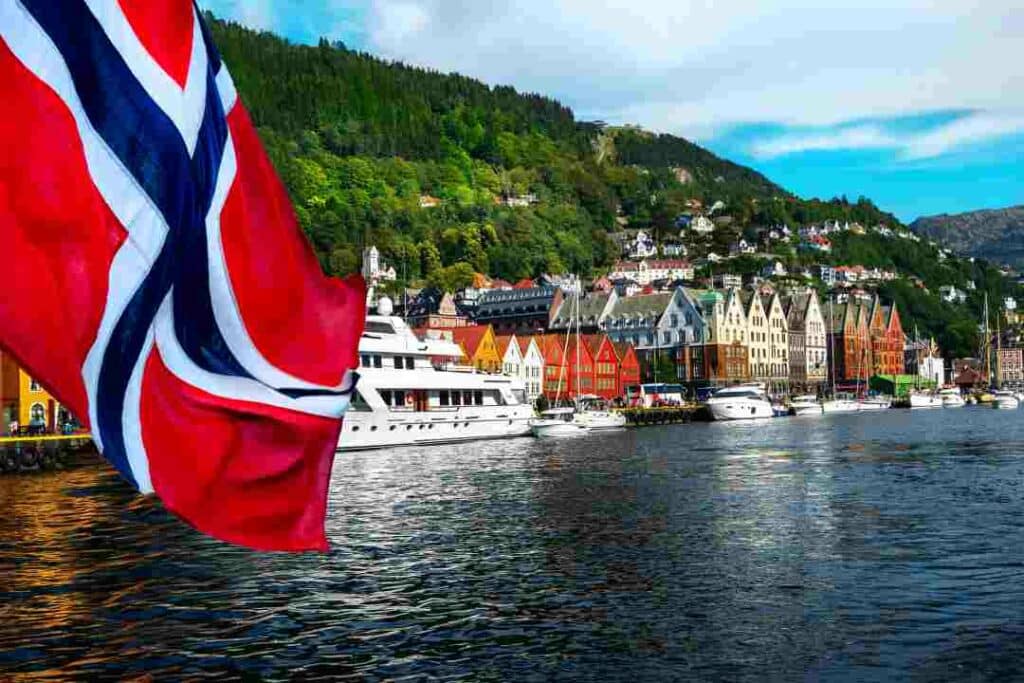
(155, 277)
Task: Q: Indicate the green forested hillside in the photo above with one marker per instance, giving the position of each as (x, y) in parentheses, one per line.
(359, 141)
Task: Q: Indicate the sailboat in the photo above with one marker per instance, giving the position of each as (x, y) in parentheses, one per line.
(1002, 398)
(838, 403)
(560, 421)
(918, 398)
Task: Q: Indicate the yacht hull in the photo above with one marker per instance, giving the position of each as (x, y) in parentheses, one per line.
(728, 410)
(368, 431)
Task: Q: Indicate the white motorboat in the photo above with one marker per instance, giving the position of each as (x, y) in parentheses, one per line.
(920, 399)
(875, 403)
(1005, 400)
(951, 398)
(412, 392)
(597, 420)
(805, 405)
(741, 402)
(592, 412)
(558, 422)
(840, 404)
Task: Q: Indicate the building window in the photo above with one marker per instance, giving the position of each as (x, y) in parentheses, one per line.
(34, 386)
(37, 414)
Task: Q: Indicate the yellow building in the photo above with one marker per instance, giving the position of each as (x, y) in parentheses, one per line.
(479, 346)
(24, 400)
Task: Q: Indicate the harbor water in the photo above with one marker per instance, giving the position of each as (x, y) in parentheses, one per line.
(846, 547)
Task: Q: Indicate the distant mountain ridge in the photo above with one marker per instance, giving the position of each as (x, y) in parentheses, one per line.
(993, 234)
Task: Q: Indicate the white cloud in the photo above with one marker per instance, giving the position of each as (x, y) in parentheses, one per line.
(974, 129)
(970, 129)
(695, 66)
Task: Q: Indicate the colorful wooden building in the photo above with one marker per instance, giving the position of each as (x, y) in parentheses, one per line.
(629, 367)
(479, 346)
(606, 366)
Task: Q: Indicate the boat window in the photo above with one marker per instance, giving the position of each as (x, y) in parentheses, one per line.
(443, 397)
(399, 397)
(365, 360)
(377, 363)
(467, 398)
(520, 396)
(478, 398)
(399, 362)
(357, 402)
(456, 398)
(379, 327)
(410, 363)
(385, 395)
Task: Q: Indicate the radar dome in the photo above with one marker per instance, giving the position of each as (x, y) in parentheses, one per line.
(384, 306)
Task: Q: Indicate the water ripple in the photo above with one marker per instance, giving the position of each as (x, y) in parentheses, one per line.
(847, 548)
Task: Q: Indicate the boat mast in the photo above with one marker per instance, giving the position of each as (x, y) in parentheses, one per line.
(999, 364)
(832, 346)
(578, 347)
(986, 346)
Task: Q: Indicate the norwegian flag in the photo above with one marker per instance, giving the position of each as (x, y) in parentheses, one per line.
(155, 277)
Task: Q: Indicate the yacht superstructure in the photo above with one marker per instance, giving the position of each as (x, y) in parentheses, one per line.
(412, 391)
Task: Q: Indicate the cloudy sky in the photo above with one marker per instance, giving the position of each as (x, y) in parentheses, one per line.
(918, 104)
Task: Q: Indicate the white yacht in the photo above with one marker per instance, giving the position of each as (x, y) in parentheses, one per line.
(595, 416)
(558, 422)
(840, 404)
(920, 399)
(741, 402)
(805, 405)
(1005, 400)
(875, 403)
(411, 392)
(951, 398)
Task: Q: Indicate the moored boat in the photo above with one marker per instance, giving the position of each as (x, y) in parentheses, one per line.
(411, 391)
(1005, 400)
(920, 399)
(875, 403)
(805, 405)
(840, 405)
(951, 398)
(741, 402)
(556, 422)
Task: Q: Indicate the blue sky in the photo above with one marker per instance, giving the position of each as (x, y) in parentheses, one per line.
(917, 104)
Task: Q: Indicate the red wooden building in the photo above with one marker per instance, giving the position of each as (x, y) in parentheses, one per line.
(606, 366)
(629, 367)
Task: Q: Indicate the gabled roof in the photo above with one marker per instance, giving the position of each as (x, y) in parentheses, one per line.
(469, 337)
(591, 309)
(646, 305)
(796, 310)
(502, 343)
(524, 344)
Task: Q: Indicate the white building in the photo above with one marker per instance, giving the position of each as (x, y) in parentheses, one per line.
(702, 225)
(374, 269)
(640, 246)
(741, 247)
(952, 295)
(774, 269)
(647, 271)
(532, 366)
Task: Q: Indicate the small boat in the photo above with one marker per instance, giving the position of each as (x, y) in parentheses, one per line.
(593, 414)
(984, 398)
(598, 420)
(557, 422)
(920, 399)
(805, 405)
(741, 402)
(875, 403)
(1005, 400)
(951, 398)
(840, 404)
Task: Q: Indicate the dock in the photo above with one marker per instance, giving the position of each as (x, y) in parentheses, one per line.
(41, 452)
(644, 417)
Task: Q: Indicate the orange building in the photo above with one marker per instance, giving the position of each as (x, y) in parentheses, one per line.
(479, 346)
(849, 344)
(580, 361)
